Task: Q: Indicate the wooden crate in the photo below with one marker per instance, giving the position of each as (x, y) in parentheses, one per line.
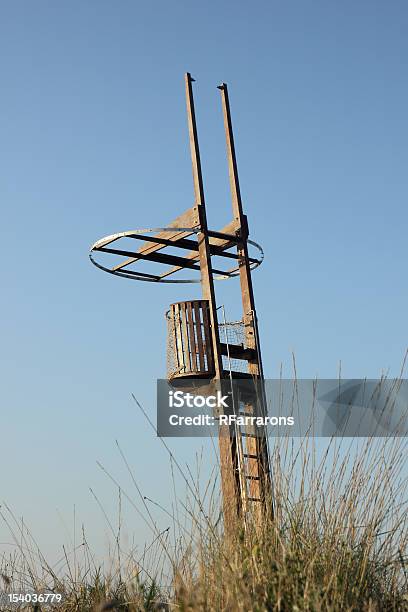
(189, 346)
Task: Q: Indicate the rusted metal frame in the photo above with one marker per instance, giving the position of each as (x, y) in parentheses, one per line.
(144, 274)
(228, 454)
(257, 446)
(108, 241)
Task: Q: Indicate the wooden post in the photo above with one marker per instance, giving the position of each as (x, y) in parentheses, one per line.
(227, 441)
(256, 445)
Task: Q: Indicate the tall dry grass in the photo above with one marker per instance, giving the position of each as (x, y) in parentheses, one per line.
(337, 541)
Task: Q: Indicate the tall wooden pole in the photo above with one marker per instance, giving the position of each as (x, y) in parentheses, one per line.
(227, 440)
(257, 446)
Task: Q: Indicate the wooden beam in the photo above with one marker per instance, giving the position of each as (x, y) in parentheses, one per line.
(188, 218)
(163, 258)
(184, 243)
(237, 351)
(223, 241)
(227, 442)
(183, 262)
(257, 446)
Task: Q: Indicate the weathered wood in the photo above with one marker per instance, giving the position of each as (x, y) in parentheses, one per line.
(184, 243)
(179, 338)
(188, 218)
(162, 258)
(256, 446)
(223, 241)
(186, 346)
(191, 337)
(199, 334)
(157, 257)
(207, 335)
(192, 350)
(227, 443)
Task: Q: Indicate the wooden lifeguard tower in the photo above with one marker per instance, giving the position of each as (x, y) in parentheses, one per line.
(199, 346)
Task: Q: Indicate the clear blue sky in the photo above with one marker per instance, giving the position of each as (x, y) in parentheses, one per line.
(94, 141)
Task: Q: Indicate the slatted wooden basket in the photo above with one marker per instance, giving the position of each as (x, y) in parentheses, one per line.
(189, 347)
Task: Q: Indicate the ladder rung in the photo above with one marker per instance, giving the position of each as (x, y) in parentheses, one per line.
(253, 477)
(254, 499)
(251, 456)
(248, 435)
